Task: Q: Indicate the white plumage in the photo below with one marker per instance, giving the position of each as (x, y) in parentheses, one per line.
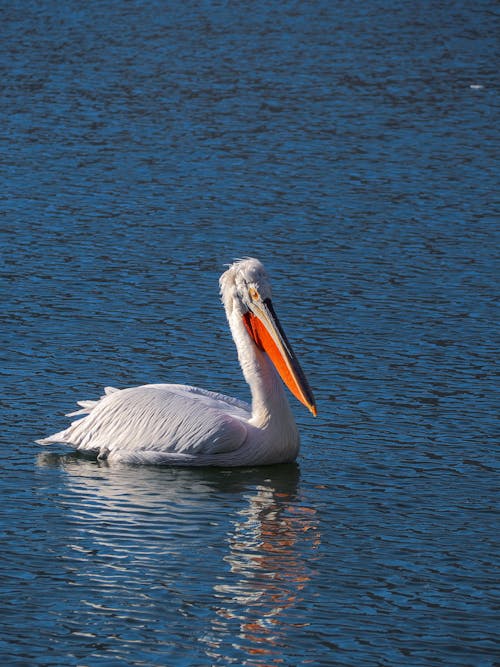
(183, 425)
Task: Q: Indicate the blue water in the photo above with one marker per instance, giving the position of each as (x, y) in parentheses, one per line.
(352, 147)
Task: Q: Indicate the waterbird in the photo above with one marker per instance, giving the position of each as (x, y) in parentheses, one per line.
(176, 424)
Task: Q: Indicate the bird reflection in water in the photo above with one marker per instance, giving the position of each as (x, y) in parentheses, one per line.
(252, 586)
(272, 550)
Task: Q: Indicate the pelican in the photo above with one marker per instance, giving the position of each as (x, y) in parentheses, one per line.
(181, 425)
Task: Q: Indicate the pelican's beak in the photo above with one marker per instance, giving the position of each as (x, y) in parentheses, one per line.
(265, 330)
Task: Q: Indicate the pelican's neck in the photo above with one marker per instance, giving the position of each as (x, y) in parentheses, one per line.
(270, 407)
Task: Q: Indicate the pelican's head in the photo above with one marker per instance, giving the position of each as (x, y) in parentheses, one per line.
(246, 293)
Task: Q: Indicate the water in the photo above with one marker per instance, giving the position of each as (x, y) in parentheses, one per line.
(351, 147)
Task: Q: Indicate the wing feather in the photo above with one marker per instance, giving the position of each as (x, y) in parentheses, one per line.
(158, 423)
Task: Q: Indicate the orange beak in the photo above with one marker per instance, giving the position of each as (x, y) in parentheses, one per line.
(265, 330)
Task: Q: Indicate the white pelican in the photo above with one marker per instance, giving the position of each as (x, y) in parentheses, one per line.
(182, 425)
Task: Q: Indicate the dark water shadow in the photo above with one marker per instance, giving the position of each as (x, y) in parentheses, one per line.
(284, 478)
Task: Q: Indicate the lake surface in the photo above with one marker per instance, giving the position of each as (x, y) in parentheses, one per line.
(353, 148)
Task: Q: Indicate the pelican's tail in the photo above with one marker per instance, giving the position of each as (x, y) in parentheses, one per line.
(57, 437)
(86, 408)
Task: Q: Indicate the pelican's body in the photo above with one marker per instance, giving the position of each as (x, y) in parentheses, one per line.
(183, 425)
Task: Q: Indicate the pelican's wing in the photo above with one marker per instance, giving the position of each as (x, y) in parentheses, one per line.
(160, 423)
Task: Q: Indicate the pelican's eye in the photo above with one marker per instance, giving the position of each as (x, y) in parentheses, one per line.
(254, 295)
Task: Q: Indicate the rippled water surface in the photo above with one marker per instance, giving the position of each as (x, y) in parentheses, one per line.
(351, 147)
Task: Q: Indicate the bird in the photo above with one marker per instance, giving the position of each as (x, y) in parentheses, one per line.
(181, 425)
